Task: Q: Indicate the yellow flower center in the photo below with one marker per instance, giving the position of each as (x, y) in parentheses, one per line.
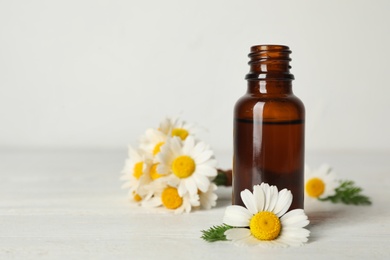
(138, 170)
(170, 198)
(265, 225)
(180, 132)
(183, 166)
(156, 149)
(315, 187)
(137, 197)
(153, 172)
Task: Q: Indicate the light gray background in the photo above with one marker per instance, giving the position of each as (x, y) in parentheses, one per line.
(98, 73)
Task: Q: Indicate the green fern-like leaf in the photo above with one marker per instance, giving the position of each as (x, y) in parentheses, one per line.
(215, 233)
(348, 193)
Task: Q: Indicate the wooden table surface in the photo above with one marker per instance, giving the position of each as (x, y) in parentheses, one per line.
(69, 205)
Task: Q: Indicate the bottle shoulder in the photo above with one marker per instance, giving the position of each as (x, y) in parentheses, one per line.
(283, 107)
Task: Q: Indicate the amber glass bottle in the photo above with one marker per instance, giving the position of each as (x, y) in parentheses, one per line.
(269, 127)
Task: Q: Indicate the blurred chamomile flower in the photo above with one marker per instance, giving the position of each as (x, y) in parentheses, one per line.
(168, 197)
(135, 174)
(171, 170)
(320, 183)
(175, 127)
(152, 141)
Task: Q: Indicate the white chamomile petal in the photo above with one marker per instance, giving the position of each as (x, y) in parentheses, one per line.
(191, 186)
(295, 217)
(248, 241)
(154, 202)
(273, 198)
(203, 157)
(199, 148)
(292, 213)
(207, 170)
(259, 195)
(283, 203)
(165, 125)
(152, 141)
(172, 181)
(293, 232)
(176, 146)
(237, 216)
(189, 145)
(182, 188)
(251, 241)
(267, 193)
(211, 163)
(208, 199)
(186, 209)
(249, 201)
(194, 200)
(202, 182)
(237, 233)
(295, 237)
(162, 169)
(324, 169)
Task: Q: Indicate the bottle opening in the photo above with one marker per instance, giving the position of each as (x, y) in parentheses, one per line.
(270, 62)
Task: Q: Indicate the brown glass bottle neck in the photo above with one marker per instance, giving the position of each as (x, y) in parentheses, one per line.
(271, 87)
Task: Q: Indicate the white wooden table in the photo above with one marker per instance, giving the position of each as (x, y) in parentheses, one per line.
(69, 205)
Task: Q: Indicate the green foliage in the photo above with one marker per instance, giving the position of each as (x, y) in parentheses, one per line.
(221, 179)
(348, 193)
(215, 233)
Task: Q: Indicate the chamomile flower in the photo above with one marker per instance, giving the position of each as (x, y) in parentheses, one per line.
(176, 127)
(152, 141)
(320, 183)
(136, 174)
(171, 170)
(264, 220)
(208, 199)
(168, 197)
(189, 165)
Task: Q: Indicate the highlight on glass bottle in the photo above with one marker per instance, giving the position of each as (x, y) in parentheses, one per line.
(269, 127)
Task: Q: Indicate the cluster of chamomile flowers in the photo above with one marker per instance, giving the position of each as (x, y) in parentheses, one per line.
(171, 169)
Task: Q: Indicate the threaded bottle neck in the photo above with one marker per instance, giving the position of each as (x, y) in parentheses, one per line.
(269, 62)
